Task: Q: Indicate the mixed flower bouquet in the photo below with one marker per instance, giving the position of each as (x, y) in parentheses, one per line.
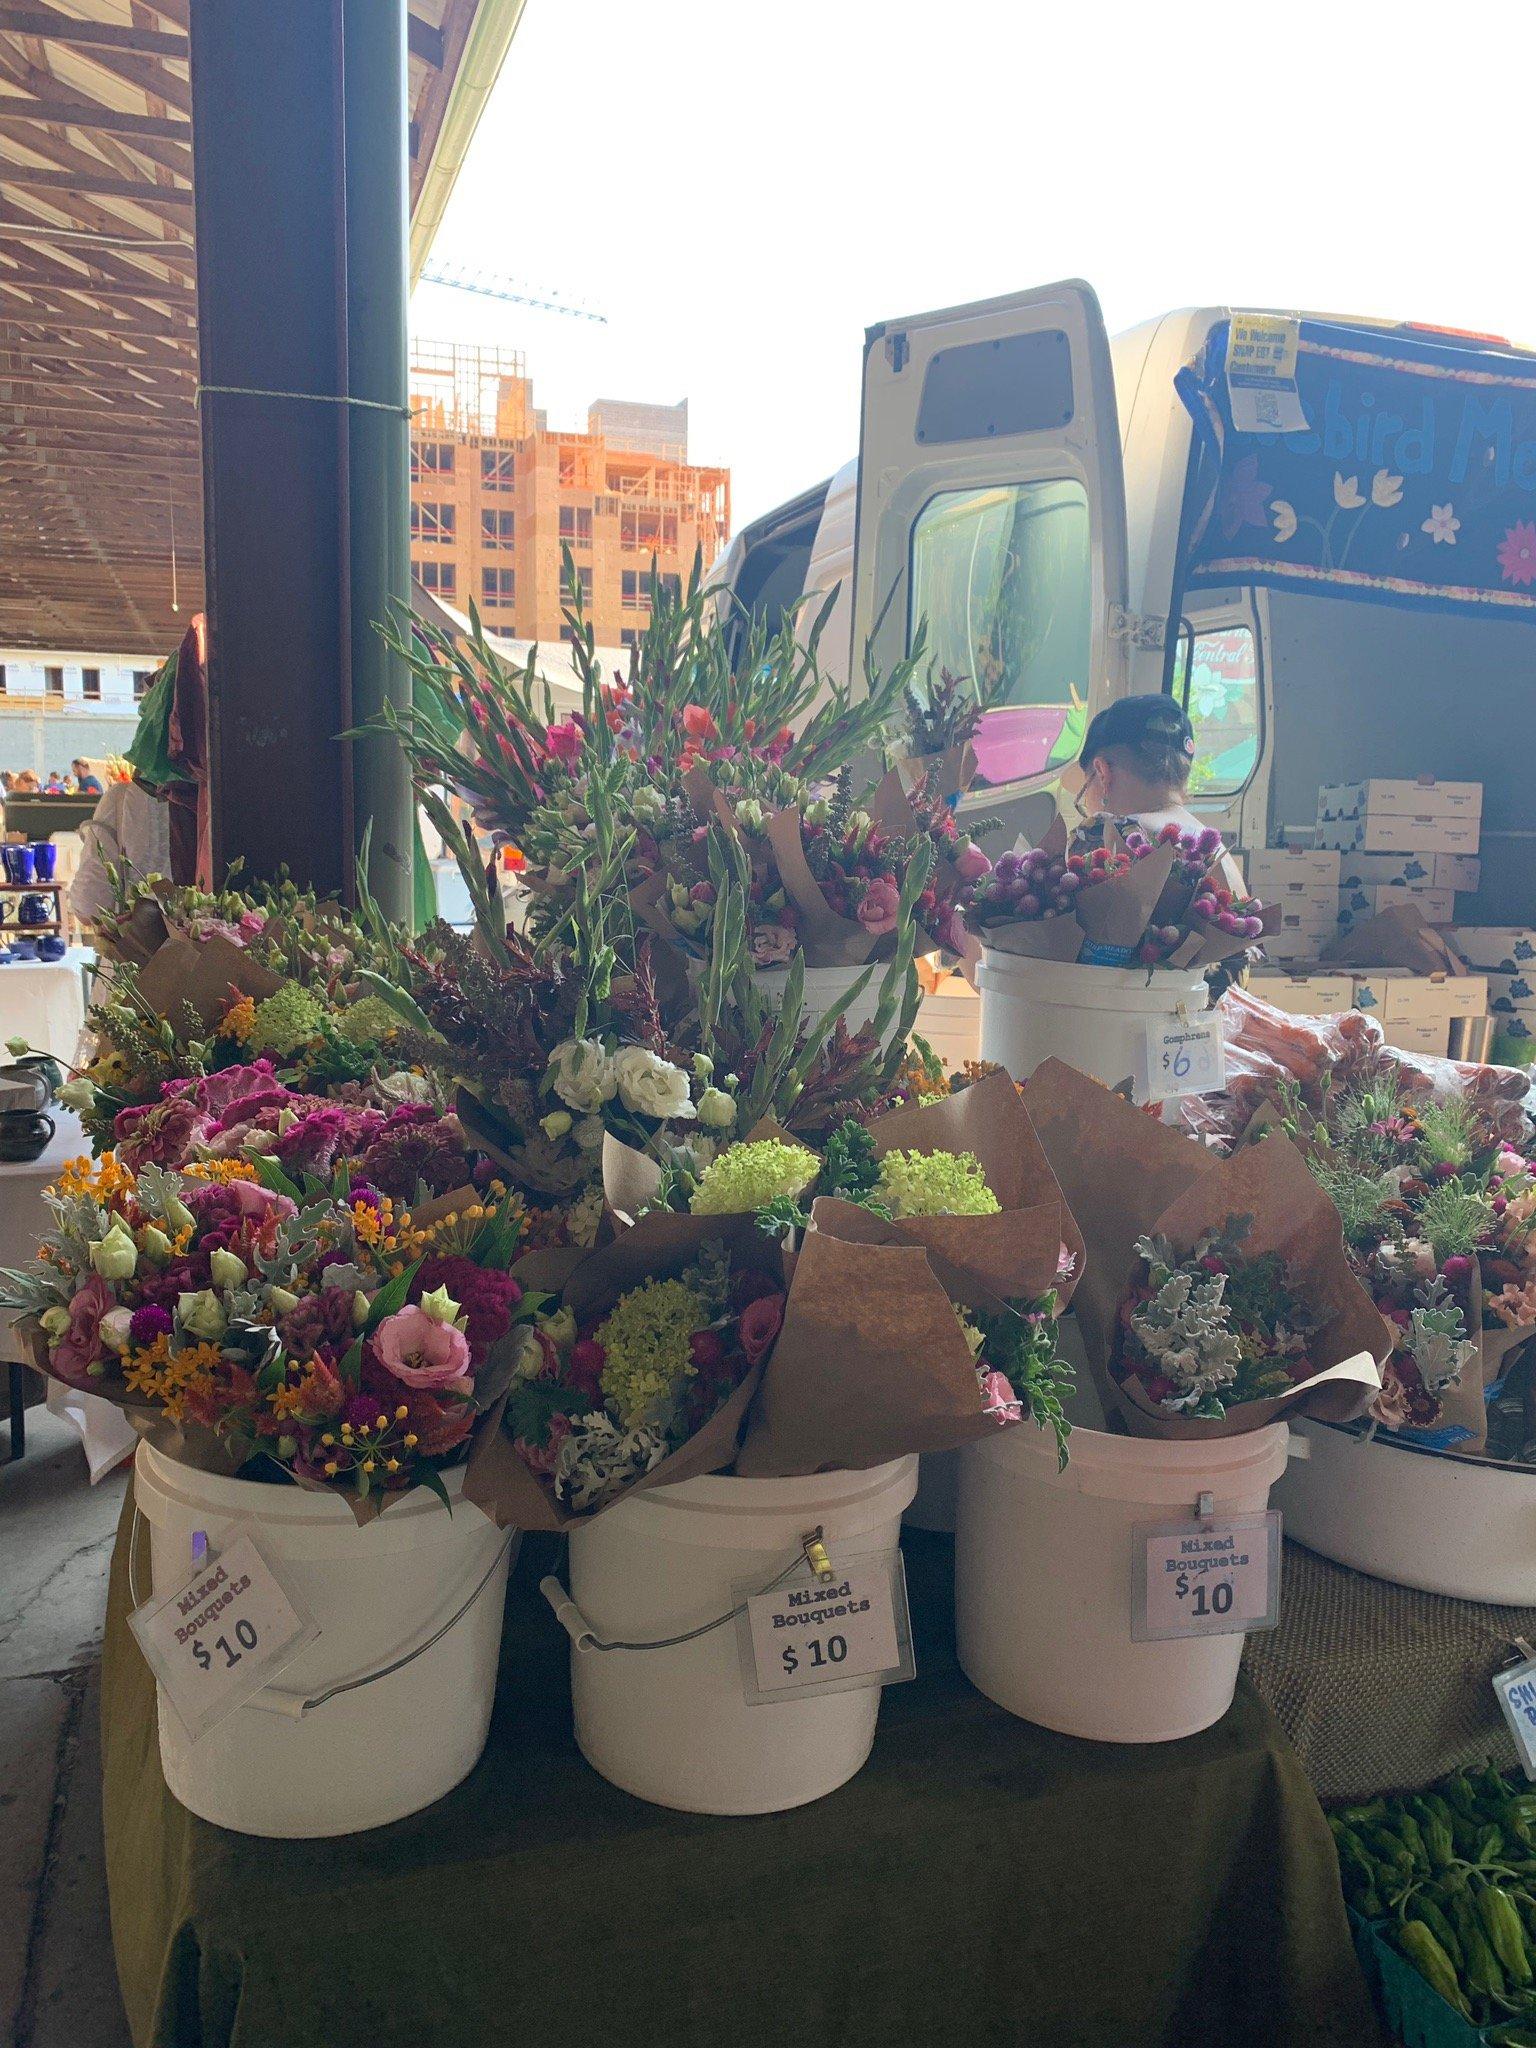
(1219, 1295)
(280, 1327)
(1114, 897)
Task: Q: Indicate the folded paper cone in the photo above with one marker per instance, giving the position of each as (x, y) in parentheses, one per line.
(1293, 1217)
(202, 973)
(827, 939)
(870, 1365)
(657, 1247)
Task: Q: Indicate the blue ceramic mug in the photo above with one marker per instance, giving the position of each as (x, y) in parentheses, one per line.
(24, 949)
(19, 864)
(35, 910)
(45, 857)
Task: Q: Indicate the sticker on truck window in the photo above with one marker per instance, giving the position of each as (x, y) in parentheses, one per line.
(1261, 374)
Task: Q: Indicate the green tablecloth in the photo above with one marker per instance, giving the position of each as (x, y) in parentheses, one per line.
(981, 1880)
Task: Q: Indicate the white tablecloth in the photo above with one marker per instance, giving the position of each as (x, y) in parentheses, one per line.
(43, 1001)
(105, 1431)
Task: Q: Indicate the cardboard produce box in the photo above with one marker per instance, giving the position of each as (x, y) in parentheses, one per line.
(1462, 873)
(1513, 994)
(1393, 995)
(1391, 834)
(1468, 994)
(1435, 906)
(1504, 947)
(1432, 1037)
(1271, 869)
(1420, 796)
(1305, 994)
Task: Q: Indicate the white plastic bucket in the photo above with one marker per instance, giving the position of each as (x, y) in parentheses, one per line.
(1043, 1568)
(673, 1725)
(1431, 1519)
(825, 987)
(1093, 1018)
(364, 1757)
(950, 1020)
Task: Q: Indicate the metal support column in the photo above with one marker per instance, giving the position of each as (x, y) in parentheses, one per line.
(305, 499)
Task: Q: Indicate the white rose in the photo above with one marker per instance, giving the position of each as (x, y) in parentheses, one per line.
(649, 1085)
(115, 1326)
(582, 1074)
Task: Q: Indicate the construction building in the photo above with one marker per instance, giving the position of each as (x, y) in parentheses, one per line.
(496, 497)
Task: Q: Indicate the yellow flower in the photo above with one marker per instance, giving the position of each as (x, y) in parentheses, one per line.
(239, 1020)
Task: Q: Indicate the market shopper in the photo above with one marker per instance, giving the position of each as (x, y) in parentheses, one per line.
(1135, 764)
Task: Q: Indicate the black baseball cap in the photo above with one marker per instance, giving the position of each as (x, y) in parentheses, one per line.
(1138, 721)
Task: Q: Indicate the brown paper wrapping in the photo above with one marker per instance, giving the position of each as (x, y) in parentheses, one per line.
(1293, 1217)
(871, 1363)
(1112, 913)
(201, 972)
(1398, 937)
(826, 939)
(948, 774)
(1014, 1254)
(139, 936)
(657, 1247)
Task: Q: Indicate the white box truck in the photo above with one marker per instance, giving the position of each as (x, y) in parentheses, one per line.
(1078, 518)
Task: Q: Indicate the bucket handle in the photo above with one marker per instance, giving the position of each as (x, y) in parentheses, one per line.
(812, 1551)
(273, 1700)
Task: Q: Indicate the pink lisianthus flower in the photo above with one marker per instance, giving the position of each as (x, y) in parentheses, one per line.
(761, 1321)
(773, 945)
(420, 1352)
(998, 1400)
(878, 906)
(564, 740)
(81, 1345)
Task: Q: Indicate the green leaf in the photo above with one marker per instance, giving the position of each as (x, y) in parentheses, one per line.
(533, 1404)
(403, 1005)
(272, 1176)
(351, 1366)
(392, 1298)
(429, 1477)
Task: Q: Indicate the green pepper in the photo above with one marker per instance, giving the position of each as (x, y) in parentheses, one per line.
(1351, 1816)
(1490, 1846)
(1425, 1909)
(1457, 1790)
(1416, 1942)
(1438, 1838)
(1526, 1907)
(1480, 1971)
(1516, 1821)
(1490, 1785)
(1506, 1937)
(1406, 1828)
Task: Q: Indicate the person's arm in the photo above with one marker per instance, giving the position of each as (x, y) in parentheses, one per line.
(90, 893)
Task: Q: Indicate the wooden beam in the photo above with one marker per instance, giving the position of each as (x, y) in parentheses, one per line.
(142, 191)
(62, 113)
(52, 293)
(104, 35)
(421, 39)
(151, 77)
(101, 323)
(130, 156)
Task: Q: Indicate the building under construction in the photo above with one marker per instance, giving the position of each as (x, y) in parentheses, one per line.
(496, 497)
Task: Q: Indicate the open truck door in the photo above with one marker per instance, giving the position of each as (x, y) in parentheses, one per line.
(991, 505)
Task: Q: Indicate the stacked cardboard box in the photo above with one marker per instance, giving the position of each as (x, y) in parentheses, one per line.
(1506, 954)
(1302, 883)
(1412, 842)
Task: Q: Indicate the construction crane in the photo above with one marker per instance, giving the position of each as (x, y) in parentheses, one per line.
(489, 284)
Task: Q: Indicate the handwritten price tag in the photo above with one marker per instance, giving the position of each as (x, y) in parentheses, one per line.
(1515, 1691)
(1215, 1578)
(812, 1636)
(222, 1635)
(1185, 1057)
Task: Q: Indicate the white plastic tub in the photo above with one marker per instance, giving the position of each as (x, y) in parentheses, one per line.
(1043, 1570)
(1436, 1520)
(377, 1592)
(1093, 1018)
(950, 1020)
(673, 1725)
(825, 987)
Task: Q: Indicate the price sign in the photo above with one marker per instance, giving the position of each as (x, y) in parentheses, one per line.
(1185, 1056)
(222, 1635)
(1205, 1578)
(1261, 374)
(830, 1634)
(1515, 1691)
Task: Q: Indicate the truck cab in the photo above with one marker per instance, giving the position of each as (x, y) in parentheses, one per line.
(1350, 592)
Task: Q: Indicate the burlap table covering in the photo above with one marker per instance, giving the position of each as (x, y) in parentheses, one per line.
(1382, 1688)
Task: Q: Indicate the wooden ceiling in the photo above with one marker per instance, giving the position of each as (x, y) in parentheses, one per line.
(100, 463)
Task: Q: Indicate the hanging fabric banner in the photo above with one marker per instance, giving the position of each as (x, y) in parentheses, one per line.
(1412, 479)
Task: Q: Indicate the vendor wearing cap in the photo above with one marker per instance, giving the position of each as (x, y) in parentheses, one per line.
(1135, 763)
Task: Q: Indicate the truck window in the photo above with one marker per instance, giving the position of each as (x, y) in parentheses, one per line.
(1003, 577)
(1222, 700)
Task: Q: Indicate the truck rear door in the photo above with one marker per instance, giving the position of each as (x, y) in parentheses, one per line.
(991, 504)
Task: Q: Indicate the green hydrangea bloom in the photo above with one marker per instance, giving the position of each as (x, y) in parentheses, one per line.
(286, 1020)
(748, 1177)
(366, 1021)
(646, 1339)
(935, 1184)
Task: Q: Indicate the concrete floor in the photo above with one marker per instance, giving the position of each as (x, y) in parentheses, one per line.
(58, 1988)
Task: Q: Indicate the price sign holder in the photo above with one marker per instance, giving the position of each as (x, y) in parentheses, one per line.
(836, 1623)
(1204, 1575)
(223, 1634)
(1186, 1055)
(1515, 1691)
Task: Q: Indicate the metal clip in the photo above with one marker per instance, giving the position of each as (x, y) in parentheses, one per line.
(1205, 1507)
(1522, 1651)
(816, 1556)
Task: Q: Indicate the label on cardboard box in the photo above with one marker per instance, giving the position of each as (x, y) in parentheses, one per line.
(1410, 1034)
(1462, 873)
(1306, 995)
(1467, 993)
(1381, 834)
(1386, 870)
(1278, 867)
(1401, 797)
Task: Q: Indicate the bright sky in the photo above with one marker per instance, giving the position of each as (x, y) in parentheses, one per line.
(743, 186)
